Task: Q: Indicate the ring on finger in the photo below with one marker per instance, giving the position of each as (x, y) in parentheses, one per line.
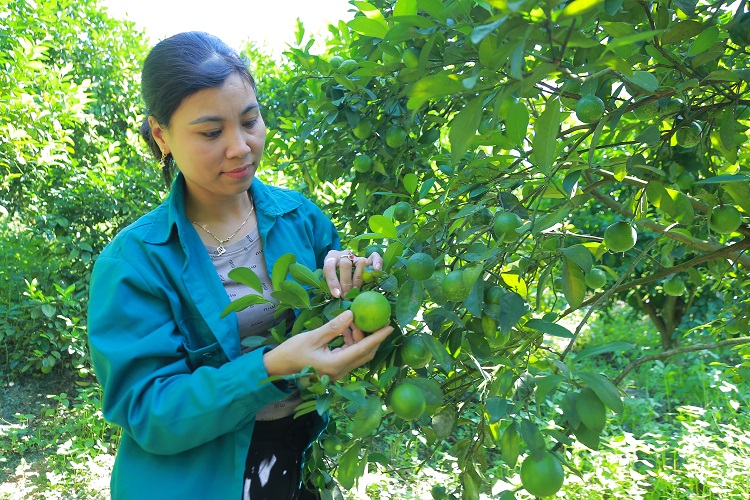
(348, 255)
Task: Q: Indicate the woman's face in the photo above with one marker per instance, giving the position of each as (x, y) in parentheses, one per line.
(216, 137)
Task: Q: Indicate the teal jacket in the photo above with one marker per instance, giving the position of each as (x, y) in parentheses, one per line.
(169, 366)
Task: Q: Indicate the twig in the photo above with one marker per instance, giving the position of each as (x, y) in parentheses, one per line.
(679, 350)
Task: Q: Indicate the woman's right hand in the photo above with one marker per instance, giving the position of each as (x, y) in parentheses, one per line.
(311, 349)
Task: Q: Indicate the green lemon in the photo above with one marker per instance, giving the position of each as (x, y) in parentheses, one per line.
(454, 288)
(596, 278)
(543, 478)
(674, 286)
(371, 310)
(689, 136)
(620, 237)
(363, 129)
(590, 109)
(724, 219)
(414, 353)
(402, 211)
(420, 266)
(363, 163)
(335, 61)
(411, 57)
(395, 136)
(408, 401)
(505, 225)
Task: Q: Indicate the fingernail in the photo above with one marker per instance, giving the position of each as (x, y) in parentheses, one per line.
(335, 292)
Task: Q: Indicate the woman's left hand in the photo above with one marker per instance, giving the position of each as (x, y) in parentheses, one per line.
(349, 268)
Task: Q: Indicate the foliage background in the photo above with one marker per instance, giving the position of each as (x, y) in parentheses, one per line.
(486, 95)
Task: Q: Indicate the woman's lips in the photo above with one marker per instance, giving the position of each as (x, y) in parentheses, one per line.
(238, 173)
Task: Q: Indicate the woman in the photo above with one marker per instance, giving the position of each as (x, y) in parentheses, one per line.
(173, 373)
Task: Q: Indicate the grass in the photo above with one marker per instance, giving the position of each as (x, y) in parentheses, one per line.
(681, 436)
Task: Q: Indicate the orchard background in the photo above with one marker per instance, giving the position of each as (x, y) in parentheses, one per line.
(501, 139)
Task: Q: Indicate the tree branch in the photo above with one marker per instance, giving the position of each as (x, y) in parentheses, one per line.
(680, 350)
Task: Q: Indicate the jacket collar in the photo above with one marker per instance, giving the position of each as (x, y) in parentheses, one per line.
(170, 216)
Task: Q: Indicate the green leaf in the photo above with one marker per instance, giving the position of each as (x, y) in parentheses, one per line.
(724, 179)
(496, 408)
(579, 7)
(243, 303)
(643, 79)
(409, 302)
(510, 445)
(591, 410)
(615, 346)
(605, 389)
(508, 312)
(545, 135)
(704, 41)
(517, 123)
(48, 310)
(463, 127)
(280, 268)
(650, 136)
(411, 181)
(303, 275)
(680, 31)
(678, 206)
(349, 467)
(383, 226)
(480, 32)
(439, 85)
(367, 418)
(294, 288)
(391, 255)
(574, 283)
(405, 8)
(728, 129)
(247, 277)
(438, 351)
(740, 193)
(534, 439)
(443, 421)
(549, 328)
(686, 6)
(580, 255)
(253, 341)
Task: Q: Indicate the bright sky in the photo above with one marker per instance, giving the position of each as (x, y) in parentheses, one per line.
(269, 22)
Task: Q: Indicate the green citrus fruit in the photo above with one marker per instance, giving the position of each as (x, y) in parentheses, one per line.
(363, 163)
(336, 61)
(689, 135)
(646, 110)
(482, 217)
(402, 211)
(414, 353)
(408, 402)
(590, 109)
(685, 180)
(370, 274)
(596, 278)
(543, 478)
(505, 225)
(454, 288)
(395, 136)
(371, 310)
(557, 283)
(420, 266)
(333, 445)
(411, 57)
(348, 65)
(620, 237)
(724, 219)
(363, 130)
(674, 286)
(674, 105)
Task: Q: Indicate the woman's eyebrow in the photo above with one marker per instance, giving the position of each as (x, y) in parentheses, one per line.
(204, 119)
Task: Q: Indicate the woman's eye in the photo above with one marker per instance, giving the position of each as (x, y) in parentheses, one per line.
(250, 123)
(212, 134)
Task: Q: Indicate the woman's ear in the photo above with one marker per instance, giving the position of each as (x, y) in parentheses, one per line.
(159, 134)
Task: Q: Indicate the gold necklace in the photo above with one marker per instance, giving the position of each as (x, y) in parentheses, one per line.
(220, 250)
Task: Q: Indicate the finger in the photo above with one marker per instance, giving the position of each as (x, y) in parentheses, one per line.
(337, 326)
(357, 280)
(345, 274)
(357, 354)
(376, 261)
(357, 334)
(348, 337)
(330, 264)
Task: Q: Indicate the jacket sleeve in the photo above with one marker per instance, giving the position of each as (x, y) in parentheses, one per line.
(141, 360)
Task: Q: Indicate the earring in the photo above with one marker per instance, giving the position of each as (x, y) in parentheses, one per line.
(163, 161)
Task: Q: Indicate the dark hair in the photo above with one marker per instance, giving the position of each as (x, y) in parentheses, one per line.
(177, 67)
